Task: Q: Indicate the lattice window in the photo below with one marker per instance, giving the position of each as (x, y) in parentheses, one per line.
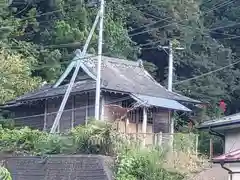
(149, 115)
(127, 103)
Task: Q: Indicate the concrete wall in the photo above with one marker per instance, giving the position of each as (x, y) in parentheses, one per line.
(235, 168)
(232, 140)
(84, 167)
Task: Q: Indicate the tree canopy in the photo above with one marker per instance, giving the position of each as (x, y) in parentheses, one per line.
(41, 36)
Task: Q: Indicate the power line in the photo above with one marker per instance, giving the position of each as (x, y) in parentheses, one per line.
(165, 19)
(231, 35)
(212, 9)
(58, 10)
(201, 30)
(205, 74)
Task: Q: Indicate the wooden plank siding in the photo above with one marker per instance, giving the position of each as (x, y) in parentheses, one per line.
(79, 108)
(29, 115)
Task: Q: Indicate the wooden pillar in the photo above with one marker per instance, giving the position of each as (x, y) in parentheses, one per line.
(102, 108)
(196, 146)
(171, 129)
(160, 139)
(144, 125)
(45, 116)
(126, 125)
(211, 149)
(136, 120)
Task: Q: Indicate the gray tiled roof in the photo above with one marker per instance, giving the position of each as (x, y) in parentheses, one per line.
(52, 92)
(224, 121)
(117, 75)
(129, 76)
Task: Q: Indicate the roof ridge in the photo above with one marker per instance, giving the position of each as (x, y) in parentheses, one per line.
(120, 61)
(116, 60)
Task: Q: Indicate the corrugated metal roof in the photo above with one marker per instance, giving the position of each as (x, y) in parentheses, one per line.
(160, 102)
(233, 156)
(224, 121)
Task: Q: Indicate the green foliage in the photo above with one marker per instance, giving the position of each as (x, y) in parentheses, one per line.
(5, 174)
(46, 32)
(15, 76)
(92, 138)
(147, 164)
(185, 142)
(132, 161)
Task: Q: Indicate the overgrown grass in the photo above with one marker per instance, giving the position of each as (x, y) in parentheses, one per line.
(133, 162)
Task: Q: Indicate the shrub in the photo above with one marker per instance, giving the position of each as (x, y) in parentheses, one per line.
(144, 164)
(94, 138)
(5, 174)
(133, 162)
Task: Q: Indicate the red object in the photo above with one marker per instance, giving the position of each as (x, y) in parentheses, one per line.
(222, 105)
(233, 156)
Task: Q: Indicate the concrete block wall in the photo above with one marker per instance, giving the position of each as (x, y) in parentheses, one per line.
(76, 167)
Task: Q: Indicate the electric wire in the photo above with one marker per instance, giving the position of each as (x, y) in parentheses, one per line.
(206, 74)
(212, 9)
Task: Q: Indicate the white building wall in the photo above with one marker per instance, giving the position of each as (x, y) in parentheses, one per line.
(232, 140)
(235, 168)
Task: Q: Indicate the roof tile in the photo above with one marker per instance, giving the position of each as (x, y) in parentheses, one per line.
(117, 75)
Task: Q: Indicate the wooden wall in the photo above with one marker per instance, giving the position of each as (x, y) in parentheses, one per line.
(80, 108)
(31, 115)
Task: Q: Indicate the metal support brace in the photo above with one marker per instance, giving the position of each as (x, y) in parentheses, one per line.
(69, 88)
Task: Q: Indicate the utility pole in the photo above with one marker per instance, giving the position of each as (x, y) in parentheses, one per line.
(170, 75)
(170, 67)
(98, 82)
(70, 85)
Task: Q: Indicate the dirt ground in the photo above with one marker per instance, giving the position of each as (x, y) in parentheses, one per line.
(213, 173)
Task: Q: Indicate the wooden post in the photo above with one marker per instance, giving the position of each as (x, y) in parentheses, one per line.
(126, 125)
(211, 149)
(136, 120)
(160, 138)
(171, 126)
(45, 116)
(102, 108)
(73, 111)
(197, 145)
(144, 125)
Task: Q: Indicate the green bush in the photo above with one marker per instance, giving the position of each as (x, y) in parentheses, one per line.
(5, 174)
(91, 138)
(144, 164)
(132, 161)
(95, 138)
